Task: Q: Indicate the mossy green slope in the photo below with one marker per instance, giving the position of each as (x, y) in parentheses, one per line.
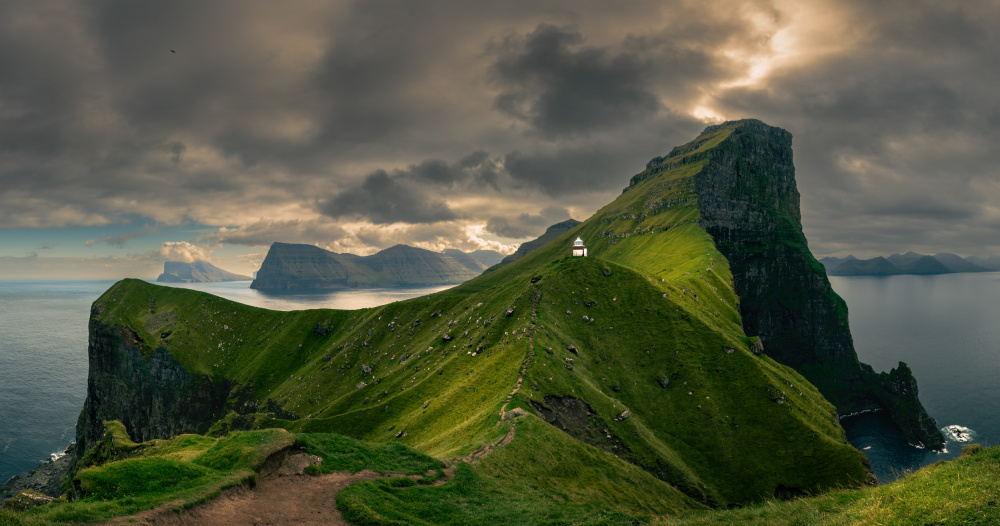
(662, 374)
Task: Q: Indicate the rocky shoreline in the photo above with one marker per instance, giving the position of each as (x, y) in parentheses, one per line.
(43, 479)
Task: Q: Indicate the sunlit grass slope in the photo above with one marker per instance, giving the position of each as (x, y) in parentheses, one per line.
(662, 376)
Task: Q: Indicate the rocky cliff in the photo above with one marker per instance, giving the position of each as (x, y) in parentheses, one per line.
(749, 204)
(141, 384)
(297, 267)
(196, 272)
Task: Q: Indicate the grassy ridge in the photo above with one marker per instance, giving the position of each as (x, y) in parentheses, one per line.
(433, 372)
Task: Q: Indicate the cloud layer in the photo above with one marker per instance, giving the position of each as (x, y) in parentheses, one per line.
(355, 125)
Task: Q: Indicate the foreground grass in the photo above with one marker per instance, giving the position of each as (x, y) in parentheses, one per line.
(964, 491)
(515, 488)
(541, 477)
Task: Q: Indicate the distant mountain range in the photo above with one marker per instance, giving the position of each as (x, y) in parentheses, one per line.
(909, 263)
(297, 266)
(196, 272)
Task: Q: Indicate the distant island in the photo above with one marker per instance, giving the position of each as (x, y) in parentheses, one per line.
(196, 272)
(298, 266)
(909, 263)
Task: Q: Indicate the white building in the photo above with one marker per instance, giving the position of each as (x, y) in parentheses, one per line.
(578, 248)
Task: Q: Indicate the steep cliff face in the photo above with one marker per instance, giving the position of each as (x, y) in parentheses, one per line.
(142, 385)
(296, 266)
(749, 204)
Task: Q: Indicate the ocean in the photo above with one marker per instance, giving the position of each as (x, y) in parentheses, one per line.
(944, 327)
(43, 354)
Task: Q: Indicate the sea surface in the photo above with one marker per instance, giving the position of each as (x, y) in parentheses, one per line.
(944, 327)
(947, 329)
(43, 354)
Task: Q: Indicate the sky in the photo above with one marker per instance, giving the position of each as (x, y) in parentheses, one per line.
(134, 132)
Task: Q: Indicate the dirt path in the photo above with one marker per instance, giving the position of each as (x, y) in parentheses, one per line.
(294, 499)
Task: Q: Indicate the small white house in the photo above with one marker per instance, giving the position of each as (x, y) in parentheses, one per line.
(578, 248)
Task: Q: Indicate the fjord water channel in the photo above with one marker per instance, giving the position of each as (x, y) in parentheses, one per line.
(944, 327)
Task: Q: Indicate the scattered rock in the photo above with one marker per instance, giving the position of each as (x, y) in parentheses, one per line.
(569, 313)
(446, 337)
(549, 350)
(568, 360)
(730, 351)
(366, 369)
(26, 500)
(622, 416)
(606, 272)
(514, 413)
(572, 349)
(662, 381)
(585, 318)
(509, 313)
(757, 346)
(320, 330)
(402, 433)
(535, 279)
(426, 403)
(666, 294)
(971, 449)
(435, 314)
(360, 385)
(616, 388)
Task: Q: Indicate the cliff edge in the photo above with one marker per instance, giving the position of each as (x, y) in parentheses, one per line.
(749, 204)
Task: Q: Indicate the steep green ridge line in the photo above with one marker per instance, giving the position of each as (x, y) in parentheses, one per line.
(635, 356)
(749, 204)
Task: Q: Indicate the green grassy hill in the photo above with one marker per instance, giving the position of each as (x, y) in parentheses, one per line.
(637, 351)
(618, 388)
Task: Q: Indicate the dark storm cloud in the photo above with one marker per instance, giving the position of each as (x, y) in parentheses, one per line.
(382, 199)
(897, 134)
(288, 121)
(263, 233)
(561, 87)
(415, 194)
(526, 225)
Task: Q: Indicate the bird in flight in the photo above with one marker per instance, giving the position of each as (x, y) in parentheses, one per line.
(172, 51)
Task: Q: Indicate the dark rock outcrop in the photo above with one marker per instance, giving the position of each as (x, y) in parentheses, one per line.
(146, 389)
(196, 272)
(749, 203)
(44, 479)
